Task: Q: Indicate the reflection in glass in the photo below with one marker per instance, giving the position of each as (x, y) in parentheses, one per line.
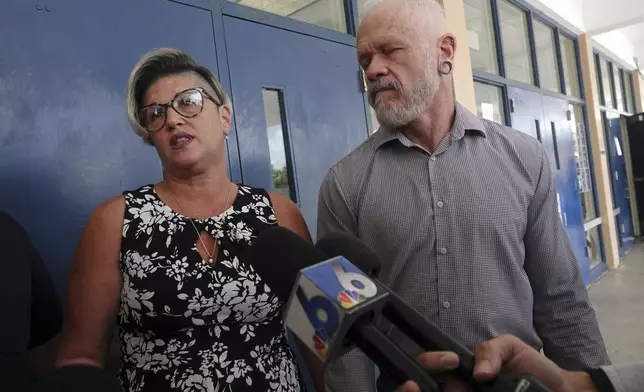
(478, 18)
(516, 47)
(606, 84)
(628, 86)
(489, 102)
(584, 174)
(277, 142)
(361, 10)
(569, 60)
(618, 88)
(544, 38)
(324, 13)
(593, 246)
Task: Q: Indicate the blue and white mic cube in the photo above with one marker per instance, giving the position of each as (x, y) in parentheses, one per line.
(326, 301)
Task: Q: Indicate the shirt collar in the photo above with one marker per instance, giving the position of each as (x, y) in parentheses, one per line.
(464, 122)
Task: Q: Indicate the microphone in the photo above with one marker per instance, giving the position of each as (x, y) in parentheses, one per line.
(78, 378)
(414, 325)
(330, 304)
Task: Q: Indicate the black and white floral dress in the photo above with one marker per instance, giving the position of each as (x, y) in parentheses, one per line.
(188, 326)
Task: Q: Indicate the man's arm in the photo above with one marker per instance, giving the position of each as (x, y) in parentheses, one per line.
(354, 371)
(563, 316)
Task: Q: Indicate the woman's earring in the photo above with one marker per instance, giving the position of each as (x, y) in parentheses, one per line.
(226, 136)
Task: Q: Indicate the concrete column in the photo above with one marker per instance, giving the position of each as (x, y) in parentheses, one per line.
(463, 80)
(599, 153)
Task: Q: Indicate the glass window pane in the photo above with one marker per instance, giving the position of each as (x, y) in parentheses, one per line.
(598, 79)
(361, 10)
(618, 88)
(569, 61)
(480, 32)
(628, 86)
(324, 13)
(489, 102)
(544, 38)
(516, 46)
(277, 142)
(593, 246)
(606, 84)
(582, 152)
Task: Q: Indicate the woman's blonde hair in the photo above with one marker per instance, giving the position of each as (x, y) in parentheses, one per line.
(159, 63)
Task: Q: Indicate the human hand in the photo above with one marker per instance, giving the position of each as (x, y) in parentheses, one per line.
(507, 353)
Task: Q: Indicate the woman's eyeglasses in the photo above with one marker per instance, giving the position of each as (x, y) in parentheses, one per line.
(187, 103)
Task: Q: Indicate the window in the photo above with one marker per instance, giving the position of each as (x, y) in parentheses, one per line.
(593, 246)
(598, 80)
(324, 13)
(278, 143)
(362, 3)
(584, 174)
(489, 102)
(619, 95)
(606, 84)
(628, 87)
(480, 32)
(544, 39)
(516, 46)
(569, 61)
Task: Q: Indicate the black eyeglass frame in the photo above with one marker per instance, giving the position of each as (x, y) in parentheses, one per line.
(165, 107)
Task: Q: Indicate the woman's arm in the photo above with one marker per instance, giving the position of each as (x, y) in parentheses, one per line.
(290, 217)
(93, 288)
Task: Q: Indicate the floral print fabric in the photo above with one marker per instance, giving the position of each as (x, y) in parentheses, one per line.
(186, 325)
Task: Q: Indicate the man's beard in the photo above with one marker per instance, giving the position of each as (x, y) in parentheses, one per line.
(414, 102)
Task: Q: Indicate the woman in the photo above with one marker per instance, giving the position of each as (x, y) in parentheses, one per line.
(165, 259)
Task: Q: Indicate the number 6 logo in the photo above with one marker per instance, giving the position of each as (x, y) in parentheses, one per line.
(353, 281)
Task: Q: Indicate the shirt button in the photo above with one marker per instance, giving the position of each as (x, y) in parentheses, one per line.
(440, 204)
(444, 250)
(446, 304)
(433, 158)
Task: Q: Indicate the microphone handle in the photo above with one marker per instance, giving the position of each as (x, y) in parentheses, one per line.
(431, 338)
(391, 360)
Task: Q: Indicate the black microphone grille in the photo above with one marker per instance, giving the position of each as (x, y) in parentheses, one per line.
(278, 255)
(356, 251)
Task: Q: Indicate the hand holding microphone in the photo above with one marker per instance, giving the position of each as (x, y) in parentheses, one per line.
(332, 305)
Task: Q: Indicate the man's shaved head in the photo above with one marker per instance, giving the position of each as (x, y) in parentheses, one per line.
(401, 46)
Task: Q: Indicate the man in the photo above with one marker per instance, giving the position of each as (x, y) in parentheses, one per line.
(508, 354)
(32, 311)
(462, 211)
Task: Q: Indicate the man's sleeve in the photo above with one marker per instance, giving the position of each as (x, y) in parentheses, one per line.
(354, 372)
(625, 378)
(563, 316)
(334, 212)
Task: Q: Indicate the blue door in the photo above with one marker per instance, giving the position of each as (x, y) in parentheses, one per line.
(545, 119)
(298, 108)
(621, 191)
(65, 143)
(561, 149)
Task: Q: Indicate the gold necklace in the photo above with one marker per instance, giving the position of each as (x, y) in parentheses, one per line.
(214, 247)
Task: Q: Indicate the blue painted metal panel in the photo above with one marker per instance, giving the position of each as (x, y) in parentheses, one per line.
(65, 144)
(621, 191)
(535, 114)
(555, 116)
(324, 104)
